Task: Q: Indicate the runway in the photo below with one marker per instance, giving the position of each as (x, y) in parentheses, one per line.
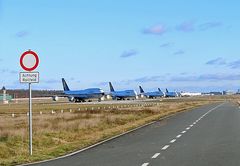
(208, 135)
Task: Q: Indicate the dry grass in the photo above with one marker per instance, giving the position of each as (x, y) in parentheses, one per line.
(62, 133)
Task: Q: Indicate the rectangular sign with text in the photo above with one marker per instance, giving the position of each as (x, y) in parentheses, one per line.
(29, 77)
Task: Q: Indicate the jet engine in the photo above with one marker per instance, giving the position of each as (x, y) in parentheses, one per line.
(71, 99)
(101, 99)
(55, 98)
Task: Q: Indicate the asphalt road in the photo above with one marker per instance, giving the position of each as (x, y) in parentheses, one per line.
(207, 136)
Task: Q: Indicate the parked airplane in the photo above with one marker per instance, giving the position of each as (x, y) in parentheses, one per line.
(188, 94)
(164, 94)
(122, 95)
(82, 95)
(151, 95)
(171, 94)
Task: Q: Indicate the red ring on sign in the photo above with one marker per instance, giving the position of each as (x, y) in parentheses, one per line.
(36, 64)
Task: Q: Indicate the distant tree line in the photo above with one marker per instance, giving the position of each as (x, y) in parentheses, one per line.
(22, 93)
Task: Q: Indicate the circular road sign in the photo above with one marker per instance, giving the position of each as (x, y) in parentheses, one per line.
(29, 60)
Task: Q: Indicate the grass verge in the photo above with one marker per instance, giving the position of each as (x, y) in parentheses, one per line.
(59, 134)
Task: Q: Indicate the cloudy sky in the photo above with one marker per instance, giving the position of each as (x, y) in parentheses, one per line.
(181, 45)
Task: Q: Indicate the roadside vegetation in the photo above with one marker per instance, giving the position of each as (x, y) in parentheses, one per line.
(71, 127)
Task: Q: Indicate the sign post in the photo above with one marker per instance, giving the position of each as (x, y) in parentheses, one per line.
(29, 62)
(30, 119)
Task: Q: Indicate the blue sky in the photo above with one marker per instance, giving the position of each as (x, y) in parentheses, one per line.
(189, 46)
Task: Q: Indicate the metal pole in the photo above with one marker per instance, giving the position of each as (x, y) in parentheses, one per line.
(30, 119)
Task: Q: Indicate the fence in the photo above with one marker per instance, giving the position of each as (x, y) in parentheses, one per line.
(75, 110)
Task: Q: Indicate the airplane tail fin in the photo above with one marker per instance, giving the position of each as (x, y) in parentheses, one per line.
(166, 90)
(65, 86)
(141, 89)
(111, 87)
(159, 90)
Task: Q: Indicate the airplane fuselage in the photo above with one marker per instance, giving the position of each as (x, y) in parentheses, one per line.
(171, 94)
(85, 94)
(153, 94)
(124, 94)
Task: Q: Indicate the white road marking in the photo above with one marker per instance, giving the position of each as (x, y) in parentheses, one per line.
(179, 136)
(155, 156)
(165, 147)
(92, 146)
(173, 141)
(205, 114)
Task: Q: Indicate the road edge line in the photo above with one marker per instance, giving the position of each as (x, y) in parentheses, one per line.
(107, 140)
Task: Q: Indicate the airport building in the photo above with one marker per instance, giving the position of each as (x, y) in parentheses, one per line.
(4, 97)
(228, 92)
(238, 92)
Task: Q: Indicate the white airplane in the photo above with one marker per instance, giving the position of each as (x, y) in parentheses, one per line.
(188, 94)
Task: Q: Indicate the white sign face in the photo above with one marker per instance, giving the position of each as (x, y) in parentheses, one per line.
(29, 77)
(29, 61)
